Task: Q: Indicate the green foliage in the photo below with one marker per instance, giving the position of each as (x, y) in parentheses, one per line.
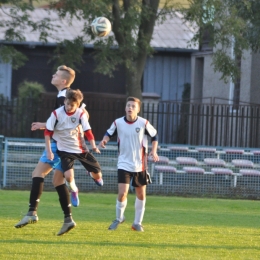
(28, 89)
(29, 94)
(175, 228)
(9, 54)
(234, 24)
(69, 53)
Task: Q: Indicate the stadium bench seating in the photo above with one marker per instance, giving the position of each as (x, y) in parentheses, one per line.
(195, 170)
(243, 163)
(163, 160)
(186, 161)
(249, 172)
(160, 170)
(214, 162)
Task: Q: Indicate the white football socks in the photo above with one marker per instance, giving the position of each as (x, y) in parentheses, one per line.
(120, 209)
(72, 186)
(139, 210)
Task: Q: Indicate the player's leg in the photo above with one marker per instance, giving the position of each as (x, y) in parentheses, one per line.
(139, 208)
(38, 174)
(67, 163)
(139, 181)
(64, 198)
(92, 166)
(121, 202)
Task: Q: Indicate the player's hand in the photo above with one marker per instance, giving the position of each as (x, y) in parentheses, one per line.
(50, 155)
(102, 144)
(37, 126)
(154, 156)
(96, 150)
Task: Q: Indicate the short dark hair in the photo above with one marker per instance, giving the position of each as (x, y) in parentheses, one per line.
(74, 95)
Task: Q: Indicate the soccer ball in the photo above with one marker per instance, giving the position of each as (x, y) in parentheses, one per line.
(101, 26)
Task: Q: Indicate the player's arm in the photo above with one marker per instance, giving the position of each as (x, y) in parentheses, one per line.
(86, 112)
(47, 136)
(104, 141)
(48, 133)
(153, 152)
(38, 126)
(90, 137)
(112, 131)
(151, 131)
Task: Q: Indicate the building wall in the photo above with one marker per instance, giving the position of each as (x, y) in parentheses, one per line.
(166, 74)
(255, 79)
(39, 68)
(206, 83)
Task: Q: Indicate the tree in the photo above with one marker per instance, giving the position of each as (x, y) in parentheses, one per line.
(132, 24)
(233, 26)
(16, 19)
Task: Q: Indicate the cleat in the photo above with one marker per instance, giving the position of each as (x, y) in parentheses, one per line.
(27, 220)
(66, 227)
(137, 227)
(99, 182)
(74, 198)
(115, 224)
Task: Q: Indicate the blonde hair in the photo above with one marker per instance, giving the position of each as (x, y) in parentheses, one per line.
(67, 73)
(74, 95)
(137, 100)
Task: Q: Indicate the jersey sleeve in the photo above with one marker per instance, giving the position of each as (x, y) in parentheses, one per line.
(84, 121)
(50, 124)
(112, 131)
(150, 130)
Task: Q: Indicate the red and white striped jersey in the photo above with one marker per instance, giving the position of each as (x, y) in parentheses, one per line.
(133, 142)
(67, 130)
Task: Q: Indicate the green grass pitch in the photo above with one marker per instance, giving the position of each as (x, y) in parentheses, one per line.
(175, 228)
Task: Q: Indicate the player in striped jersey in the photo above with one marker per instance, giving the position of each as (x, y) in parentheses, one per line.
(132, 136)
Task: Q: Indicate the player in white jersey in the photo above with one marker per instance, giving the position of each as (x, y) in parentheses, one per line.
(132, 136)
(64, 126)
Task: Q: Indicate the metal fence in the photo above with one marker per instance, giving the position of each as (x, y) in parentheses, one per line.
(190, 123)
(182, 170)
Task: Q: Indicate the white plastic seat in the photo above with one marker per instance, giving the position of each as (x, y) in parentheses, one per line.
(196, 170)
(249, 172)
(161, 169)
(179, 148)
(206, 149)
(223, 171)
(214, 162)
(162, 160)
(243, 163)
(186, 161)
(234, 151)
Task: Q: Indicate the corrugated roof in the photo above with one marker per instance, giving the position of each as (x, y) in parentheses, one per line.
(172, 34)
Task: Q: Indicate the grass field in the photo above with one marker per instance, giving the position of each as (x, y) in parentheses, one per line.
(175, 228)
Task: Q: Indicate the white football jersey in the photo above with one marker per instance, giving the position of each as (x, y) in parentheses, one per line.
(67, 130)
(132, 142)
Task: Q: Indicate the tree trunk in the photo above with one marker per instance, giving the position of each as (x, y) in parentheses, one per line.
(133, 81)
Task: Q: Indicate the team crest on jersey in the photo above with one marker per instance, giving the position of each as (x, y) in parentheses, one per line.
(137, 129)
(73, 119)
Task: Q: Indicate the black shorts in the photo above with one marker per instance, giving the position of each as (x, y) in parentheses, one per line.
(139, 178)
(86, 159)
